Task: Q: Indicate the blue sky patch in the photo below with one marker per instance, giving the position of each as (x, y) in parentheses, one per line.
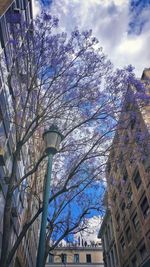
(46, 3)
(138, 10)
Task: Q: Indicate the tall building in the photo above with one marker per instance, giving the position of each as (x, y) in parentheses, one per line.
(12, 14)
(107, 236)
(72, 255)
(128, 179)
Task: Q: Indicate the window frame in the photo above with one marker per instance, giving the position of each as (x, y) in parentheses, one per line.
(137, 181)
(122, 244)
(64, 258)
(136, 223)
(143, 255)
(145, 208)
(88, 258)
(128, 234)
(133, 261)
(76, 258)
(51, 258)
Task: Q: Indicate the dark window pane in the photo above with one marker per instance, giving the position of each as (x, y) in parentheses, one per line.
(129, 192)
(76, 258)
(134, 262)
(143, 252)
(132, 121)
(63, 258)
(88, 258)
(145, 207)
(137, 180)
(122, 243)
(128, 234)
(112, 256)
(125, 176)
(135, 221)
(51, 258)
(123, 205)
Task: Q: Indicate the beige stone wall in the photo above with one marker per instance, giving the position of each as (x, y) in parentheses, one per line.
(126, 197)
(96, 256)
(95, 252)
(4, 4)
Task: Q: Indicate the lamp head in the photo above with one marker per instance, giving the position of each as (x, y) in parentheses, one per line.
(52, 138)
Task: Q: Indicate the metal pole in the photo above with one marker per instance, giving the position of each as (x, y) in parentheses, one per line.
(42, 239)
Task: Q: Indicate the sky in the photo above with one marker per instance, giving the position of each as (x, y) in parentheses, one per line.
(121, 26)
(93, 229)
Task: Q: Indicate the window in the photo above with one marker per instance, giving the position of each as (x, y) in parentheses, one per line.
(76, 258)
(64, 258)
(123, 205)
(112, 256)
(115, 253)
(108, 168)
(4, 109)
(125, 176)
(132, 121)
(14, 16)
(115, 168)
(2, 204)
(114, 197)
(134, 262)
(51, 258)
(126, 139)
(122, 243)
(137, 180)
(119, 187)
(3, 32)
(108, 260)
(136, 222)
(17, 263)
(129, 193)
(120, 159)
(106, 238)
(18, 3)
(143, 252)
(132, 157)
(88, 258)
(128, 234)
(103, 243)
(145, 207)
(109, 232)
(129, 197)
(118, 221)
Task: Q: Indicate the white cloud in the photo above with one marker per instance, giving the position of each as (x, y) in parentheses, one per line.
(36, 8)
(109, 20)
(90, 235)
(131, 45)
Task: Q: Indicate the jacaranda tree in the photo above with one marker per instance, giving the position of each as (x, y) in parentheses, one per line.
(65, 80)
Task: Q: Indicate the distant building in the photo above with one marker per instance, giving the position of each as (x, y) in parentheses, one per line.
(71, 256)
(128, 178)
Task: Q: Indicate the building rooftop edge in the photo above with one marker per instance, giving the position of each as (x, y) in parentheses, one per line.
(78, 248)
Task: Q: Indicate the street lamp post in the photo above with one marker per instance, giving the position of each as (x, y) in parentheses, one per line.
(52, 139)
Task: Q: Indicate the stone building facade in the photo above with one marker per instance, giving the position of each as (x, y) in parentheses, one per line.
(76, 256)
(106, 233)
(23, 204)
(128, 179)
